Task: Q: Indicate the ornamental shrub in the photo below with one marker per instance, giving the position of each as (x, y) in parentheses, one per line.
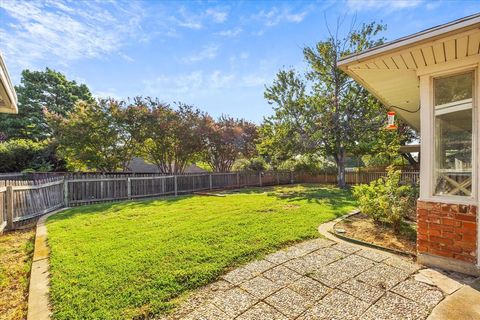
(387, 200)
(255, 164)
(27, 155)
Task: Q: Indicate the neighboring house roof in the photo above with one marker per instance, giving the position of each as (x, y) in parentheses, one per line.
(8, 97)
(139, 165)
(390, 71)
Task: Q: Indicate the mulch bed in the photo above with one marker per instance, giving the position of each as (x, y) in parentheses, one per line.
(361, 227)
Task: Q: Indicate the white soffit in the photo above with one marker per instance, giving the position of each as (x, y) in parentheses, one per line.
(390, 71)
(8, 97)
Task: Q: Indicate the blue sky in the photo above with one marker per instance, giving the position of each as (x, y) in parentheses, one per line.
(216, 55)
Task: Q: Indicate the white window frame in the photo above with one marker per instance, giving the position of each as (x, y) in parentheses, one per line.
(435, 113)
(427, 132)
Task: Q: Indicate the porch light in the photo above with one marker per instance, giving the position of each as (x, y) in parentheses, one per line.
(391, 121)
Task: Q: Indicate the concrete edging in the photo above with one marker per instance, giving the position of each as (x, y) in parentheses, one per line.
(38, 293)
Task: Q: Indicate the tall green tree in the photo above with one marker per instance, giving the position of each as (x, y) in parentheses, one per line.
(40, 90)
(338, 113)
(284, 135)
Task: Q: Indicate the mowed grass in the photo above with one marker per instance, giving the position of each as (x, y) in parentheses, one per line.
(131, 259)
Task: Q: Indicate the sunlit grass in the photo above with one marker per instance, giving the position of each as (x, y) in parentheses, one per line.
(130, 259)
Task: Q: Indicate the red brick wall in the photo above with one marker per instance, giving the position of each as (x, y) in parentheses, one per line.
(447, 230)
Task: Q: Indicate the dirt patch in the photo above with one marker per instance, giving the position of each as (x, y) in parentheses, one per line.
(16, 251)
(361, 227)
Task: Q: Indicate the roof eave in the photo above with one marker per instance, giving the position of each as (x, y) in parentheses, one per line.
(8, 88)
(470, 22)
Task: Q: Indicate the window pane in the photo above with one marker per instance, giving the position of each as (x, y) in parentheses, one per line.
(454, 88)
(453, 135)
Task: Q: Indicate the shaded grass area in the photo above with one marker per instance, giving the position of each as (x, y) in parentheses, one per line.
(16, 252)
(131, 259)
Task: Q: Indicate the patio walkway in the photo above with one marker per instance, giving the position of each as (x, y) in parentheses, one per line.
(317, 279)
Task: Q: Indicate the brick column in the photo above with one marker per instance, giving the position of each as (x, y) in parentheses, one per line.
(447, 230)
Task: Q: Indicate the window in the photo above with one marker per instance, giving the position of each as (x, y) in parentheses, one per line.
(453, 112)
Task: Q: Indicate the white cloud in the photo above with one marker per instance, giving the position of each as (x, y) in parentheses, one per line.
(254, 80)
(231, 33)
(107, 94)
(433, 5)
(380, 4)
(218, 16)
(190, 24)
(196, 21)
(220, 80)
(241, 56)
(66, 31)
(177, 87)
(276, 16)
(244, 55)
(207, 53)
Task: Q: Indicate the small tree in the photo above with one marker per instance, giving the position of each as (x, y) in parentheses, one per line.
(172, 138)
(226, 140)
(94, 136)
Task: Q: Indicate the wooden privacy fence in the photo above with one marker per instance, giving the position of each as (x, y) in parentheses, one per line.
(100, 189)
(21, 201)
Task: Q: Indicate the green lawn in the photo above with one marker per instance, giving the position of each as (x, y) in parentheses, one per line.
(131, 259)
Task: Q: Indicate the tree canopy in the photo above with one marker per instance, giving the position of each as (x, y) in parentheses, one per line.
(336, 117)
(226, 140)
(105, 135)
(93, 136)
(40, 90)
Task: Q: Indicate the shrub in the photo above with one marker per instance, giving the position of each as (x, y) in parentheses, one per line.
(26, 155)
(254, 164)
(309, 164)
(387, 200)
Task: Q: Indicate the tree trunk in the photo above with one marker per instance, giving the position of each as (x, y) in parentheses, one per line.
(341, 168)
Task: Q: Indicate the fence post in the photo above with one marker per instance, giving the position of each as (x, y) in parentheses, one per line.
(9, 198)
(175, 184)
(210, 180)
(65, 192)
(291, 177)
(278, 178)
(102, 193)
(129, 188)
(357, 176)
(260, 178)
(238, 179)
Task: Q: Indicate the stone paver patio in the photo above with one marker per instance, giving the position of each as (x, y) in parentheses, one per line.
(317, 279)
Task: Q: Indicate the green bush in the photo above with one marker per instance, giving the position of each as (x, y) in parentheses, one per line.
(309, 164)
(387, 200)
(27, 155)
(254, 164)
